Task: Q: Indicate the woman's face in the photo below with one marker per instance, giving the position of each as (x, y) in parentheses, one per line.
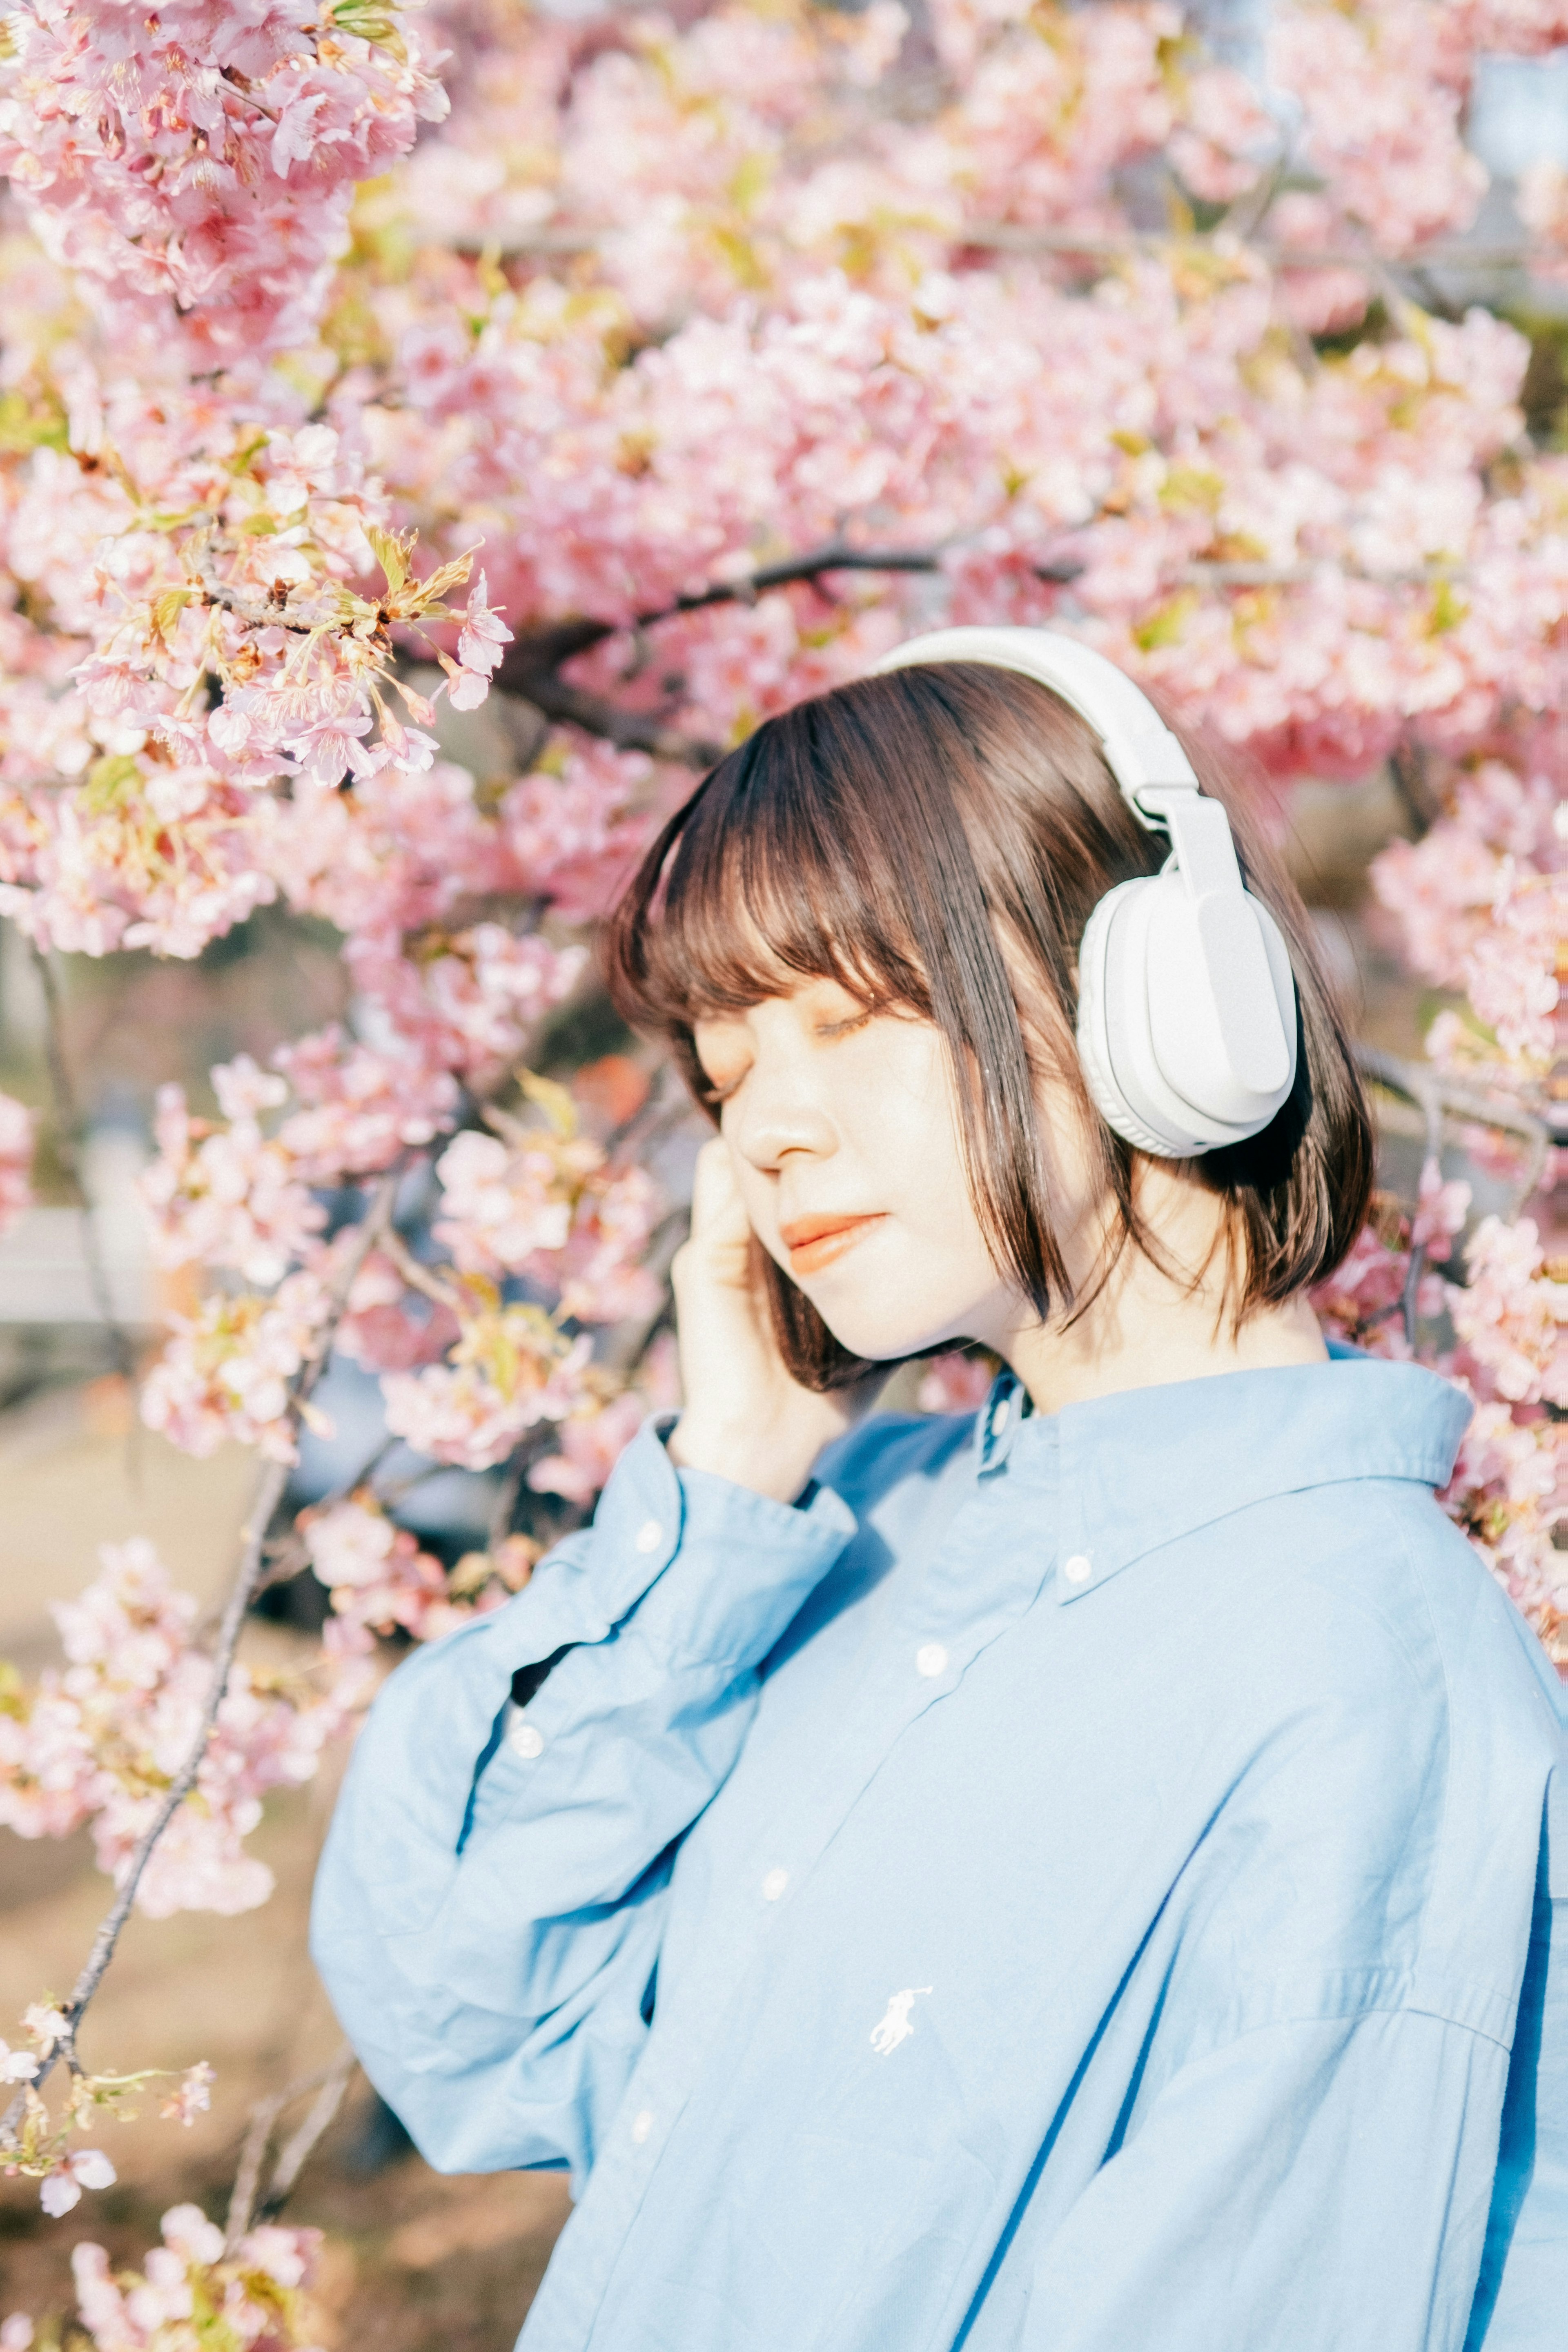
(843, 1130)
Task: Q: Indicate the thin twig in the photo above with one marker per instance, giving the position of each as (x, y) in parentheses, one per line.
(1013, 237)
(291, 2156)
(1437, 1097)
(289, 1557)
(329, 2081)
(270, 1488)
(504, 1506)
(1407, 771)
(1410, 1298)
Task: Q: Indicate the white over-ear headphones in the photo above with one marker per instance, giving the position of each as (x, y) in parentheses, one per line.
(1186, 1017)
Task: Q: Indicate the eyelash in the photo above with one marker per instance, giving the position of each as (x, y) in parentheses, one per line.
(716, 1096)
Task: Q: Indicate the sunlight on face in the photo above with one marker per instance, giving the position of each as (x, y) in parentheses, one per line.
(845, 1136)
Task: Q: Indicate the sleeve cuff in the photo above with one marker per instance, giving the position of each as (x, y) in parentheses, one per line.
(733, 1560)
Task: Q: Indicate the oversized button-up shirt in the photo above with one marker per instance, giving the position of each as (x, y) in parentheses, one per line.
(1078, 1884)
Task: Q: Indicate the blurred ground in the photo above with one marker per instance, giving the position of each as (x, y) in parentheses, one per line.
(414, 2263)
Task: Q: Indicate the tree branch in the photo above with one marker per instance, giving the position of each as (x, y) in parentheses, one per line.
(1437, 1097)
(1008, 237)
(531, 664)
(1407, 770)
(329, 2082)
(1017, 236)
(269, 1491)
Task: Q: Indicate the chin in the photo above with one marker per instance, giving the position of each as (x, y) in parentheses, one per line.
(882, 1333)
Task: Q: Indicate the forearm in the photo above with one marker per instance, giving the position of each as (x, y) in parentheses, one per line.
(488, 1908)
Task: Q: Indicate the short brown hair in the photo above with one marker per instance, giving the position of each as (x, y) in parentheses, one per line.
(918, 837)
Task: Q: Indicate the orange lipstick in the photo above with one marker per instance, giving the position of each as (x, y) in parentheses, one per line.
(814, 1243)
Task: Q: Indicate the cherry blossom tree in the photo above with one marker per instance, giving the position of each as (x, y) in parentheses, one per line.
(649, 371)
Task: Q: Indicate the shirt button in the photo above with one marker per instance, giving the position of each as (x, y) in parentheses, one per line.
(1078, 1569)
(642, 2123)
(526, 1740)
(931, 1659)
(648, 1536)
(774, 1885)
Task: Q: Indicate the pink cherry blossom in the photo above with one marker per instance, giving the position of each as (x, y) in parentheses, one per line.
(956, 1384)
(253, 2293)
(590, 1448)
(192, 2095)
(546, 1205)
(483, 633)
(83, 2167)
(226, 1373)
(377, 1573)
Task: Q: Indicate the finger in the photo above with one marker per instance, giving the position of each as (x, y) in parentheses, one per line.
(718, 1210)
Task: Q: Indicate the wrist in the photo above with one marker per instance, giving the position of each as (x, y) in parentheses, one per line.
(735, 1451)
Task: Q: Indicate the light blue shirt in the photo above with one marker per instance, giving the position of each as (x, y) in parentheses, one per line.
(1084, 1884)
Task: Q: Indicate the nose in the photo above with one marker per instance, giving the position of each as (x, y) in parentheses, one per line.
(779, 1112)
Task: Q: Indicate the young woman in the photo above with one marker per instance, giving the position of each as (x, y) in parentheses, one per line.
(1075, 1878)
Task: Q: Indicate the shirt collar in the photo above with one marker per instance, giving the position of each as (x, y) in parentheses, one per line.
(1147, 1466)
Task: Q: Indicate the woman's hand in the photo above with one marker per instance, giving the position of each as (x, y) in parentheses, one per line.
(745, 1418)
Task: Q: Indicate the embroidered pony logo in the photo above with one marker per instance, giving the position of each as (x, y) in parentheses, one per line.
(894, 2026)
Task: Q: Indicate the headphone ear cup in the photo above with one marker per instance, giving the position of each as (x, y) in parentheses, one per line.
(1096, 985)
(1152, 1054)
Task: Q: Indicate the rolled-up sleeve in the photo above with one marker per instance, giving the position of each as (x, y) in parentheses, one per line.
(491, 1899)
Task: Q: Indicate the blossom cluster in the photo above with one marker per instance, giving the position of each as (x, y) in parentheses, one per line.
(196, 163)
(1509, 1486)
(99, 1740)
(190, 2289)
(1481, 900)
(39, 2145)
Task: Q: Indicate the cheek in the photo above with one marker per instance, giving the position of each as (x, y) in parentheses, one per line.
(901, 1123)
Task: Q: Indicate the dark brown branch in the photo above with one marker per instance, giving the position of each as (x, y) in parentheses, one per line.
(532, 665)
(1407, 770)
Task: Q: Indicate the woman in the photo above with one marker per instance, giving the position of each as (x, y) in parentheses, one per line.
(1071, 1879)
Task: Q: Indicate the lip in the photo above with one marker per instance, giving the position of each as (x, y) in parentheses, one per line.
(814, 1242)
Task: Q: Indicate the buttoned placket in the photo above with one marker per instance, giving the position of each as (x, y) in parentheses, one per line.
(916, 1654)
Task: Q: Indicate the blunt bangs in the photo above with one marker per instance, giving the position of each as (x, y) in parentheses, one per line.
(776, 871)
(936, 839)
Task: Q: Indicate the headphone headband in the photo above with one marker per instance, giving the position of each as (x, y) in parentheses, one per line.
(1139, 749)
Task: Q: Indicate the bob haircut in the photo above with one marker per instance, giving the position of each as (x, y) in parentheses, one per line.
(935, 839)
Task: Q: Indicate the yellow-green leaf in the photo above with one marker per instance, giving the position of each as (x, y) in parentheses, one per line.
(31, 423)
(392, 552)
(165, 609)
(1447, 610)
(111, 781)
(553, 1100)
(1166, 625)
(445, 575)
(370, 20)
